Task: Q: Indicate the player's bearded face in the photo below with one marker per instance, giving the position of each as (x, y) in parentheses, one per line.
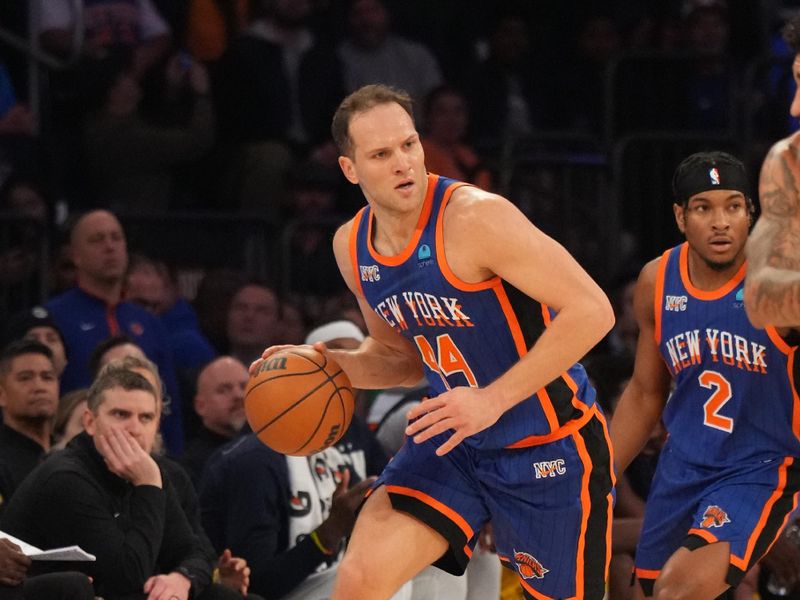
(716, 224)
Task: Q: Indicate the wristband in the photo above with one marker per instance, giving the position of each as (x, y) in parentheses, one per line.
(318, 543)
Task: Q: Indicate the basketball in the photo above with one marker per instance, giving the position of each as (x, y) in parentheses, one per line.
(299, 402)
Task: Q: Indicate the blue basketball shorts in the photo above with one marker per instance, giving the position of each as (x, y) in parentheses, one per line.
(550, 505)
(690, 506)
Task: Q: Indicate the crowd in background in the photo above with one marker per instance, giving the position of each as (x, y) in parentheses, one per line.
(173, 193)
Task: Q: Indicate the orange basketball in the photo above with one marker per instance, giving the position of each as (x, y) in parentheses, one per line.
(299, 402)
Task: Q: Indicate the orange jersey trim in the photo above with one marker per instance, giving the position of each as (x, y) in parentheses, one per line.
(545, 315)
(705, 534)
(742, 562)
(445, 510)
(647, 573)
(658, 296)
(779, 342)
(399, 259)
(568, 429)
(444, 266)
(707, 294)
(795, 398)
(354, 250)
(511, 318)
(533, 592)
(586, 509)
(547, 407)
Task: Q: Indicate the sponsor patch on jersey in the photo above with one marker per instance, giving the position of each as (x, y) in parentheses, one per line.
(714, 516)
(528, 566)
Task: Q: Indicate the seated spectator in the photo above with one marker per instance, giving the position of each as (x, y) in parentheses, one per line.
(212, 25)
(293, 323)
(219, 402)
(152, 285)
(94, 311)
(252, 321)
(279, 85)
(508, 98)
(23, 248)
(372, 53)
(231, 571)
(69, 417)
(114, 348)
(447, 152)
(15, 585)
(289, 515)
(286, 515)
(106, 493)
(37, 324)
(108, 24)
(132, 161)
(29, 398)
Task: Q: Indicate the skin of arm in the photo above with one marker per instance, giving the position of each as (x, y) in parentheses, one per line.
(385, 359)
(772, 286)
(541, 268)
(642, 402)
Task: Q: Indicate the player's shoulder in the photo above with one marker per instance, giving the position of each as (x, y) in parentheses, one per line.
(473, 207)
(789, 144)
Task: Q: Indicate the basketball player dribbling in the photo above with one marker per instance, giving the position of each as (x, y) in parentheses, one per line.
(772, 288)
(458, 286)
(728, 475)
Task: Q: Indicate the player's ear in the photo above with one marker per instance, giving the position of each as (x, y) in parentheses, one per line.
(348, 168)
(680, 217)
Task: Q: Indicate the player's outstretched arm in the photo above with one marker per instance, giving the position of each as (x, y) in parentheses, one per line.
(772, 287)
(487, 236)
(385, 358)
(643, 399)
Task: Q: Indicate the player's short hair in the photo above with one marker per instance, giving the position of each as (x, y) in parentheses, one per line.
(704, 171)
(791, 34)
(20, 348)
(362, 100)
(111, 378)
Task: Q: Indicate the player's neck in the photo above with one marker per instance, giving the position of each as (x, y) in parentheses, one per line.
(393, 230)
(707, 277)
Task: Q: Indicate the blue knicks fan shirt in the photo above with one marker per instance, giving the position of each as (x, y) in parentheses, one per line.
(735, 397)
(466, 333)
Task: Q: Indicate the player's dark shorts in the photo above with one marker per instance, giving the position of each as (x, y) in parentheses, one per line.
(690, 506)
(550, 506)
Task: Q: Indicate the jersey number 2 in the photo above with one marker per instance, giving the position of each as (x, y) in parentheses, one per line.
(446, 359)
(721, 387)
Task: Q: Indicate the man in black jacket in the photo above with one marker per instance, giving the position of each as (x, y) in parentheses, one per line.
(105, 493)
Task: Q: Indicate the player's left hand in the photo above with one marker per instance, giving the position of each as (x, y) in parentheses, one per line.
(465, 410)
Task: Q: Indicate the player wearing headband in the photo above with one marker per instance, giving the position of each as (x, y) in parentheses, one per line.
(727, 477)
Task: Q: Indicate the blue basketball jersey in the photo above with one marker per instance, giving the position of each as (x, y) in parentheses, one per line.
(735, 397)
(466, 333)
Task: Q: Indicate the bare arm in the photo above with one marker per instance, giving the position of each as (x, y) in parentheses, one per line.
(539, 267)
(643, 399)
(385, 358)
(772, 287)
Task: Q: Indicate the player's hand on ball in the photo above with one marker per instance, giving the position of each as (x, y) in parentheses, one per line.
(319, 347)
(465, 410)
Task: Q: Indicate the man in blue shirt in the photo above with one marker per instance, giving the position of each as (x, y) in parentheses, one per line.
(93, 311)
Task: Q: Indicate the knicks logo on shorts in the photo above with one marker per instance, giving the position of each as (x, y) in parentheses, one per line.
(528, 566)
(714, 517)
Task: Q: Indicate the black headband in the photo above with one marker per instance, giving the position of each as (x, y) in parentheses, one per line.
(709, 176)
